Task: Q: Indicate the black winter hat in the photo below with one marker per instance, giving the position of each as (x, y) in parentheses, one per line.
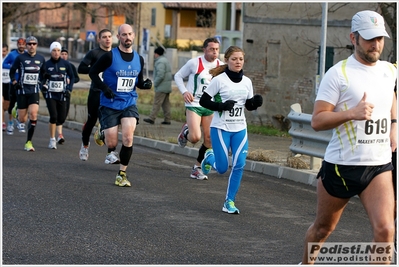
(159, 51)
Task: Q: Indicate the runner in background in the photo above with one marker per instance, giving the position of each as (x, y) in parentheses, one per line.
(197, 71)
(7, 63)
(93, 99)
(64, 56)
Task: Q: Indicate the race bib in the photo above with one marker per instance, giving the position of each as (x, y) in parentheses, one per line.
(235, 116)
(125, 84)
(31, 78)
(200, 92)
(56, 86)
(372, 132)
(6, 76)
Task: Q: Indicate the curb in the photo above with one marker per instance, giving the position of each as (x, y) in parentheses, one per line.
(301, 176)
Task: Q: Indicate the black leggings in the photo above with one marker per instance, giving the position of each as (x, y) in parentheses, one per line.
(13, 99)
(56, 110)
(93, 103)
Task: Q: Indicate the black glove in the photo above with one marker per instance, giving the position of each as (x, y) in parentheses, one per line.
(67, 94)
(228, 105)
(147, 84)
(108, 92)
(258, 100)
(17, 86)
(44, 88)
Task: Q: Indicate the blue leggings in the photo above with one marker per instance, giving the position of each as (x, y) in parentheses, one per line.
(222, 141)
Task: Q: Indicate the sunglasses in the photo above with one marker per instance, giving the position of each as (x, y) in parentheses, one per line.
(31, 44)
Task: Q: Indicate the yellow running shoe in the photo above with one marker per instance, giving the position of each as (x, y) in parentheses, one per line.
(29, 146)
(14, 111)
(99, 136)
(121, 179)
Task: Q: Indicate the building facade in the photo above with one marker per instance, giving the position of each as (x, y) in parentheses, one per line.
(281, 43)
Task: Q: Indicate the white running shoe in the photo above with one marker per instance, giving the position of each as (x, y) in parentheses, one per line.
(10, 129)
(84, 152)
(52, 144)
(112, 158)
(20, 127)
(196, 173)
(181, 140)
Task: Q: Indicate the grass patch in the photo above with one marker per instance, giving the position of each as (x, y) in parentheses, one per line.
(266, 130)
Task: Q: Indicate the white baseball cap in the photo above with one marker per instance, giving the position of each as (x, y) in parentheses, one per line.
(369, 24)
(55, 45)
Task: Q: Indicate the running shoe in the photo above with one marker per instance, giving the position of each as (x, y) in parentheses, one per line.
(29, 146)
(196, 173)
(14, 111)
(99, 136)
(84, 152)
(121, 179)
(10, 129)
(181, 140)
(112, 158)
(60, 139)
(206, 165)
(4, 127)
(52, 144)
(229, 207)
(20, 126)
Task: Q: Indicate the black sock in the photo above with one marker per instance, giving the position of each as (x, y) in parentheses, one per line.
(125, 154)
(31, 129)
(201, 153)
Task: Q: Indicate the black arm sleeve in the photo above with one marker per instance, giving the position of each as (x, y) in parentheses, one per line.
(101, 65)
(75, 74)
(14, 68)
(141, 76)
(206, 102)
(84, 66)
(71, 76)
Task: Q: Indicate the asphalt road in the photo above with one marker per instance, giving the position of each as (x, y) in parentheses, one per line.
(60, 210)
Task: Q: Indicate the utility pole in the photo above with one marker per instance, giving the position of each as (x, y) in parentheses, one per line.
(322, 53)
(323, 40)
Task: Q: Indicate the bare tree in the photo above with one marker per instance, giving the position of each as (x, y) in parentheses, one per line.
(18, 13)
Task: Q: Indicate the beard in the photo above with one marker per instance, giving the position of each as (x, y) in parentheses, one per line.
(368, 56)
(127, 45)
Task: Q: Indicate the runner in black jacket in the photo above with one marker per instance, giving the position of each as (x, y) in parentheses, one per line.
(64, 55)
(57, 85)
(93, 100)
(30, 67)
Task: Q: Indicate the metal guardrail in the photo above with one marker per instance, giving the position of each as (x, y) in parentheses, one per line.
(305, 140)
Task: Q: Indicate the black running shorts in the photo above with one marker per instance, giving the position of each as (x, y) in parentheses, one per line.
(6, 91)
(24, 101)
(347, 181)
(112, 117)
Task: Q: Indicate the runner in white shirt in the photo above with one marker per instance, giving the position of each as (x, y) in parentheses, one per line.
(197, 71)
(356, 101)
(232, 92)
